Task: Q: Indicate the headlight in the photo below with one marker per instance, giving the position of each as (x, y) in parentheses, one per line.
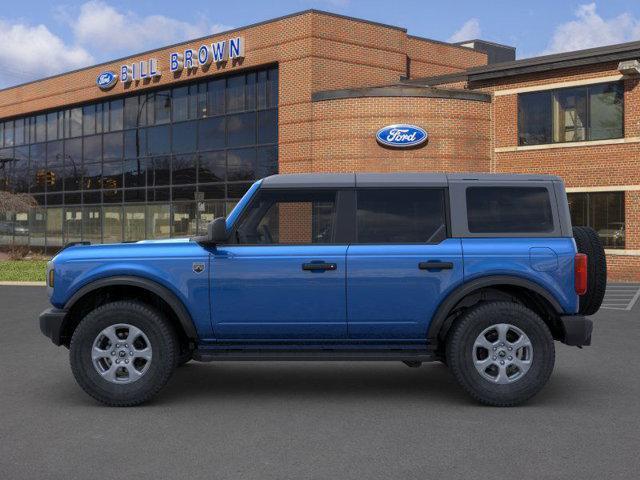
(50, 278)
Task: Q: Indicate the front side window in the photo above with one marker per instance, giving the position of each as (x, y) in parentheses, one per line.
(401, 216)
(289, 217)
(509, 210)
(602, 211)
(593, 112)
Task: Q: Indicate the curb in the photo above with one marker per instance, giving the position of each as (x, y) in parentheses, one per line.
(23, 284)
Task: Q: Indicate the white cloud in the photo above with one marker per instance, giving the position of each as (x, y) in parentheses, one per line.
(28, 52)
(469, 31)
(105, 29)
(99, 33)
(591, 30)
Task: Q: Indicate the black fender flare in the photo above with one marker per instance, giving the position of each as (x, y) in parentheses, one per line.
(163, 292)
(440, 317)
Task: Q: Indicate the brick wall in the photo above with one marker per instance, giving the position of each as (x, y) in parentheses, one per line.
(430, 58)
(344, 135)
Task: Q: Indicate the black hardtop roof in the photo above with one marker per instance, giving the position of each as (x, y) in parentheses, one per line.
(345, 180)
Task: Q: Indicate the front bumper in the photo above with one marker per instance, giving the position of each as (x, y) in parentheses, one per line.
(577, 330)
(51, 322)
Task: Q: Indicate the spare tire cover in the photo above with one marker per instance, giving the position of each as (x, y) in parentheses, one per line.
(589, 243)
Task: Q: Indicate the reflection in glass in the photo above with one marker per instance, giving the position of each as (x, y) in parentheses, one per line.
(134, 223)
(112, 227)
(211, 167)
(92, 217)
(241, 129)
(72, 224)
(158, 221)
(241, 164)
(184, 219)
(184, 137)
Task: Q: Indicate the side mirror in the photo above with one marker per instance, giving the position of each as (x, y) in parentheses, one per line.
(217, 230)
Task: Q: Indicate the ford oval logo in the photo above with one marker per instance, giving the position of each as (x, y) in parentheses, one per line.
(106, 80)
(401, 136)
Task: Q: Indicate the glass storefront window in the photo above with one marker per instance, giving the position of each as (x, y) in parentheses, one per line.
(112, 145)
(112, 225)
(21, 228)
(162, 107)
(211, 133)
(54, 227)
(184, 219)
(37, 226)
(92, 224)
(180, 104)
(158, 221)
(602, 211)
(212, 167)
(72, 224)
(241, 130)
(141, 159)
(159, 140)
(184, 169)
(184, 136)
(116, 118)
(134, 223)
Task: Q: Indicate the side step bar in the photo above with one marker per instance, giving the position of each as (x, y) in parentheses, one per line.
(215, 355)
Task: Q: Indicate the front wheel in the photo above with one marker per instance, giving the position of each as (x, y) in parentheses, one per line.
(501, 353)
(123, 353)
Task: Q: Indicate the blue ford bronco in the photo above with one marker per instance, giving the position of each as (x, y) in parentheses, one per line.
(481, 272)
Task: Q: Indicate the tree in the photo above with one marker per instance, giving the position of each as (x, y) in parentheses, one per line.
(16, 202)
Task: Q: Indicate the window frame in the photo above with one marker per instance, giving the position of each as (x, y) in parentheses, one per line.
(445, 206)
(552, 92)
(459, 220)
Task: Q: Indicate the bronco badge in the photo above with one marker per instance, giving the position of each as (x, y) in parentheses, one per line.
(198, 267)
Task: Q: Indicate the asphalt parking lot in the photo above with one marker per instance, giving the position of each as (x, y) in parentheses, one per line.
(317, 420)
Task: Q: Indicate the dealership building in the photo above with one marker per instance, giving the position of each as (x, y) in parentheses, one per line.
(157, 144)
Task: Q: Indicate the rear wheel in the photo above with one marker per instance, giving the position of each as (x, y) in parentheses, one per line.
(588, 242)
(123, 353)
(501, 353)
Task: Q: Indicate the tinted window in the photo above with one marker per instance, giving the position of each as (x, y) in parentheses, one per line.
(509, 210)
(593, 112)
(602, 211)
(401, 216)
(289, 217)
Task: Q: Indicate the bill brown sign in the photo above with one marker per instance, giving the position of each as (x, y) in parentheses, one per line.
(189, 59)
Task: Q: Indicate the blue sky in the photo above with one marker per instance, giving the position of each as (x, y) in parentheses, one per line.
(43, 37)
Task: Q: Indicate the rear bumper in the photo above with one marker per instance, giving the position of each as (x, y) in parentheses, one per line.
(577, 330)
(51, 321)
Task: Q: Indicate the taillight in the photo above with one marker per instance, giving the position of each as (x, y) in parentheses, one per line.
(580, 281)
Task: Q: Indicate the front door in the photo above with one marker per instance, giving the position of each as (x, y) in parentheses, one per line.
(283, 274)
(402, 264)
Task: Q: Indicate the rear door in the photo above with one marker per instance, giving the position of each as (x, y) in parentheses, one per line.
(284, 275)
(402, 263)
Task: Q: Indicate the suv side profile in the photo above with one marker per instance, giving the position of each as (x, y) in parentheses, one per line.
(482, 272)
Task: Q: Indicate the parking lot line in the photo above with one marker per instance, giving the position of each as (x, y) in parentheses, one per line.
(621, 296)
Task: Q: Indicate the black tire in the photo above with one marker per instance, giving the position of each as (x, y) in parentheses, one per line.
(184, 357)
(164, 349)
(460, 352)
(589, 243)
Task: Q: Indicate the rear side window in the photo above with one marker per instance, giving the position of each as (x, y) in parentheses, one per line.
(401, 216)
(509, 210)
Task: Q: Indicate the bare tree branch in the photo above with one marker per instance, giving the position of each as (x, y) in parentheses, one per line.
(16, 202)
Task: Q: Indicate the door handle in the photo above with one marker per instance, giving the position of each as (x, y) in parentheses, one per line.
(319, 267)
(435, 265)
